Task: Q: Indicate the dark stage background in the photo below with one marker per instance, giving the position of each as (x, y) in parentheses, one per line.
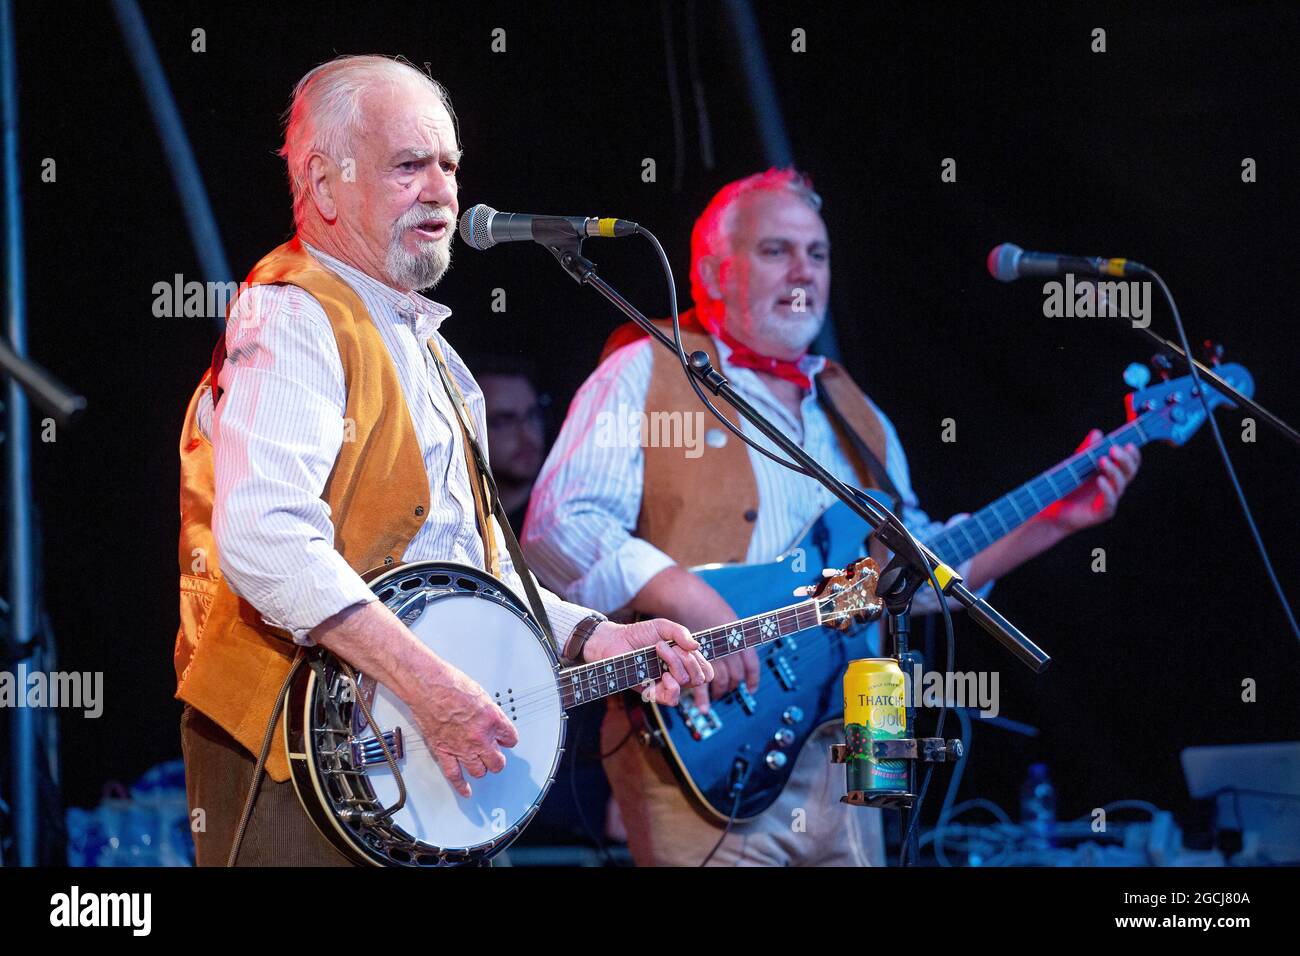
(1133, 152)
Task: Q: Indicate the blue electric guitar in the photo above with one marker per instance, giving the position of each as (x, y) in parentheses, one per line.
(747, 743)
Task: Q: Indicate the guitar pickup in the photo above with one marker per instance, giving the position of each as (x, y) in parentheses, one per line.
(746, 698)
(701, 726)
(367, 752)
(784, 672)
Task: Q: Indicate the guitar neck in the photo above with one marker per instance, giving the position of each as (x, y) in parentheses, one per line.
(587, 682)
(968, 537)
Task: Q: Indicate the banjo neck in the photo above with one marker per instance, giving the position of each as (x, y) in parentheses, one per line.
(584, 683)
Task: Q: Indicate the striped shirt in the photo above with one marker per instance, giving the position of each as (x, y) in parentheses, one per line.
(278, 432)
(578, 534)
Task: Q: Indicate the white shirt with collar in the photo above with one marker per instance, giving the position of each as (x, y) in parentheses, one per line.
(278, 433)
(584, 508)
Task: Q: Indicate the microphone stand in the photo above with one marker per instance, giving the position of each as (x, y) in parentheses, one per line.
(1209, 376)
(913, 563)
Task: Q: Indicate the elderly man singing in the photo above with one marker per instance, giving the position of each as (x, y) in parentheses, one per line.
(323, 443)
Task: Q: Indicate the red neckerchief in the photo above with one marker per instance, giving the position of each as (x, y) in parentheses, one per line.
(745, 357)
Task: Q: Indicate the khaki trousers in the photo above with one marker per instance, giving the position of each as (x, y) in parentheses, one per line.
(807, 826)
(218, 772)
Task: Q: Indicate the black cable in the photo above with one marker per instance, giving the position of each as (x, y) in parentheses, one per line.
(954, 784)
(929, 771)
(686, 363)
(618, 746)
(794, 466)
(943, 713)
(731, 818)
(596, 839)
(1199, 388)
(258, 769)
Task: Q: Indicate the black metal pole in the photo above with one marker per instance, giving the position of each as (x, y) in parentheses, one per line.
(766, 109)
(1219, 385)
(24, 788)
(176, 145)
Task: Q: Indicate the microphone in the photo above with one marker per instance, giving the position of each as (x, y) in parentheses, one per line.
(1009, 262)
(482, 227)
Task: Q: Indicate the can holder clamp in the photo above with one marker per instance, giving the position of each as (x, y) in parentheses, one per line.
(924, 749)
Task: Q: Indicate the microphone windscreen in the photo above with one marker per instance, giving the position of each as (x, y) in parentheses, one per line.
(1004, 262)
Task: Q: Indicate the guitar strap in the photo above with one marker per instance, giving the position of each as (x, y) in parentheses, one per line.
(873, 463)
(485, 490)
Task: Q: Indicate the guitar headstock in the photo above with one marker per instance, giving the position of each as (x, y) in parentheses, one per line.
(1171, 411)
(849, 595)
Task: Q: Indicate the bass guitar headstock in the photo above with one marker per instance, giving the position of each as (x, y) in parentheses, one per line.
(1171, 411)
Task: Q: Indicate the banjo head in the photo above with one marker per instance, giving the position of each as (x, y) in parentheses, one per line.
(477, 624)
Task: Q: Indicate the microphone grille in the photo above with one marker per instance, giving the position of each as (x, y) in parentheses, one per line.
(1004, 262)
(474, 227)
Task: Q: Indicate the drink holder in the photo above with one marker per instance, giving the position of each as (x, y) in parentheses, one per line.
(924, 749)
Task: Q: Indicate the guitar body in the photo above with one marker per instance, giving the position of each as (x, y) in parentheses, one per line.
(473, 621)
(799, 689)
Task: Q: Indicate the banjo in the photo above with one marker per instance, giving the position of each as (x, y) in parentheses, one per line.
(366, 777)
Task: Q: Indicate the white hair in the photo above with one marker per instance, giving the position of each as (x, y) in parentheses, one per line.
(325, 112)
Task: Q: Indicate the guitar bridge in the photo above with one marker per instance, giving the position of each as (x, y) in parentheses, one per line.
(367, 752)
(701, 726)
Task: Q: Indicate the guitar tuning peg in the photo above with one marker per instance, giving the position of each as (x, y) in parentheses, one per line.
(832, 572)
(1160, 362)
(1211, 352)
(1137, 375)
(806, 590)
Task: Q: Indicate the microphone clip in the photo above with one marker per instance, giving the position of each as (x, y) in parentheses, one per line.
(558, 238)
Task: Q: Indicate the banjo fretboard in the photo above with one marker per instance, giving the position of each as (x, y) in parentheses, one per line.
(587, 682)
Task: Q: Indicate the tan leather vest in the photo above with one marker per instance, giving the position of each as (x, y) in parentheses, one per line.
(229, 663)
(702, 510)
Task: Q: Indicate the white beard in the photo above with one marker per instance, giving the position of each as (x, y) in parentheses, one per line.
(795, 333)
(421, 270)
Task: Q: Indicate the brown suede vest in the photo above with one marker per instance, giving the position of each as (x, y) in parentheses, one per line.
(702, 510)
(229, 663)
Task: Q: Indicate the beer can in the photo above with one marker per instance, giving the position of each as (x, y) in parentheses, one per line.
(874, 709)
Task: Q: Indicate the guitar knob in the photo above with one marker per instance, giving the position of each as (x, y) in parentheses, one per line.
(792, 715)
(783, 737)
(1160, 362)
(775, 760)
(1137, 375)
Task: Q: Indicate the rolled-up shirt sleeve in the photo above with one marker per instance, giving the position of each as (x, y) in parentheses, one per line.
(923, 528)
(579, 531)
(276, 434)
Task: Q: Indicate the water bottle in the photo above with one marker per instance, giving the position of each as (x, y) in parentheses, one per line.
(1038, 805)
